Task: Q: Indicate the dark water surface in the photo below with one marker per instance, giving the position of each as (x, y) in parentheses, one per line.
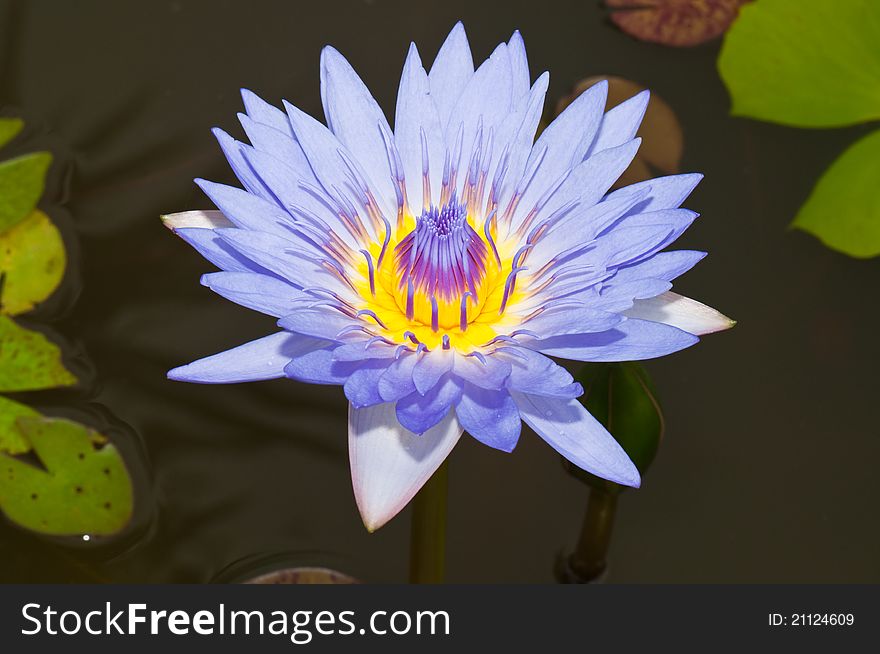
(769, 468)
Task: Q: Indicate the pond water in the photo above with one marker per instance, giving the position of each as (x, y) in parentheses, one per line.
(768, 469)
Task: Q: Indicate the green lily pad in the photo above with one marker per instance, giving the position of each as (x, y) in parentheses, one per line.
(11, 439)
(29, 361)
(22, 181)
(9, 129)
(621, 397)
(82, 488)
(32, 260)
(843, 210)
(806, 63)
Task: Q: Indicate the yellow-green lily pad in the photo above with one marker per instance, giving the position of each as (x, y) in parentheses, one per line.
(82, 488)
(805, 63)
(9, 129)
(22, 181)
(843, 210)
(32, 261)
(29, 361)
(11, 439)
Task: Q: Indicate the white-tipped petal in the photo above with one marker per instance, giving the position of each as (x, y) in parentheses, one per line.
(200, 219)
(682, 312)
(389, 464)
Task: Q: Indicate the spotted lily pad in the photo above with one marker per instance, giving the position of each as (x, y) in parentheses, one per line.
(662, 137)
(674, 22)
(11, 439)
(22, 181)
(32, 261)
(806, 63)
(621, 397)
(82, 487)
(843, 210)
(28, 360)
(9, 129)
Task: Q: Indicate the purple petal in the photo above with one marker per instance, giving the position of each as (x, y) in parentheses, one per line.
(262, 293)
(319, 367)
(430, 367)
(246, 210)
(264, 358)
(533, 373)
(632, 340)
(489, 416)
(416, 117)
(280, 145)
(569, 428)
(451, 71)
(419, 413)
(666, 192)
(207, 243)
(320, 322)
(263, 112)
(361, 388)
(356, 120)
(621, 123)
(397, 381)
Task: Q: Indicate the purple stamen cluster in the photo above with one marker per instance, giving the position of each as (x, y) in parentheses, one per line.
(443, 257)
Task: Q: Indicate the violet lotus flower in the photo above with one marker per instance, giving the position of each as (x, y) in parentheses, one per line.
(432, 269)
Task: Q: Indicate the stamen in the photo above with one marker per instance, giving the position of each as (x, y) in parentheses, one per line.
(445, 341)
(487, 231)
(412, 337)
(463, 323)
(385, 241)
(479, 357)
(371, 314)
(410, 293)
(435, 315)
(370, 269)
(509, 286)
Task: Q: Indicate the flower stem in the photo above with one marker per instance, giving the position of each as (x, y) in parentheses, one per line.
(588, 560)
(428, 531)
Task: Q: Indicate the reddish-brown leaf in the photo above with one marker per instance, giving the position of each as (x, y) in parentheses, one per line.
(662, 137)
(674, 22)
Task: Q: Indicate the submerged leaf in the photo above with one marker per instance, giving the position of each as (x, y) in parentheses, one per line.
(674, 22)
(32, 261)
(843, 210)
(21, 184)
(29, 361)
(11, 440)
(621, 397)
(83, 488)
(662, 138)
(9, 129)
(806, 63)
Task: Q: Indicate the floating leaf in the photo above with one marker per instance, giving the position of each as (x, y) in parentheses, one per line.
(662, 137)
(621, 397)
(32, 261)
(674, 22)
(9, 129)
(11, 440)
(843, 210)
(28, 360)
(21, 184)
(82, 488)
(806, 63)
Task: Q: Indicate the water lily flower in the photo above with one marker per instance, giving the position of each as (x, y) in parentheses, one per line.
(432, 269)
